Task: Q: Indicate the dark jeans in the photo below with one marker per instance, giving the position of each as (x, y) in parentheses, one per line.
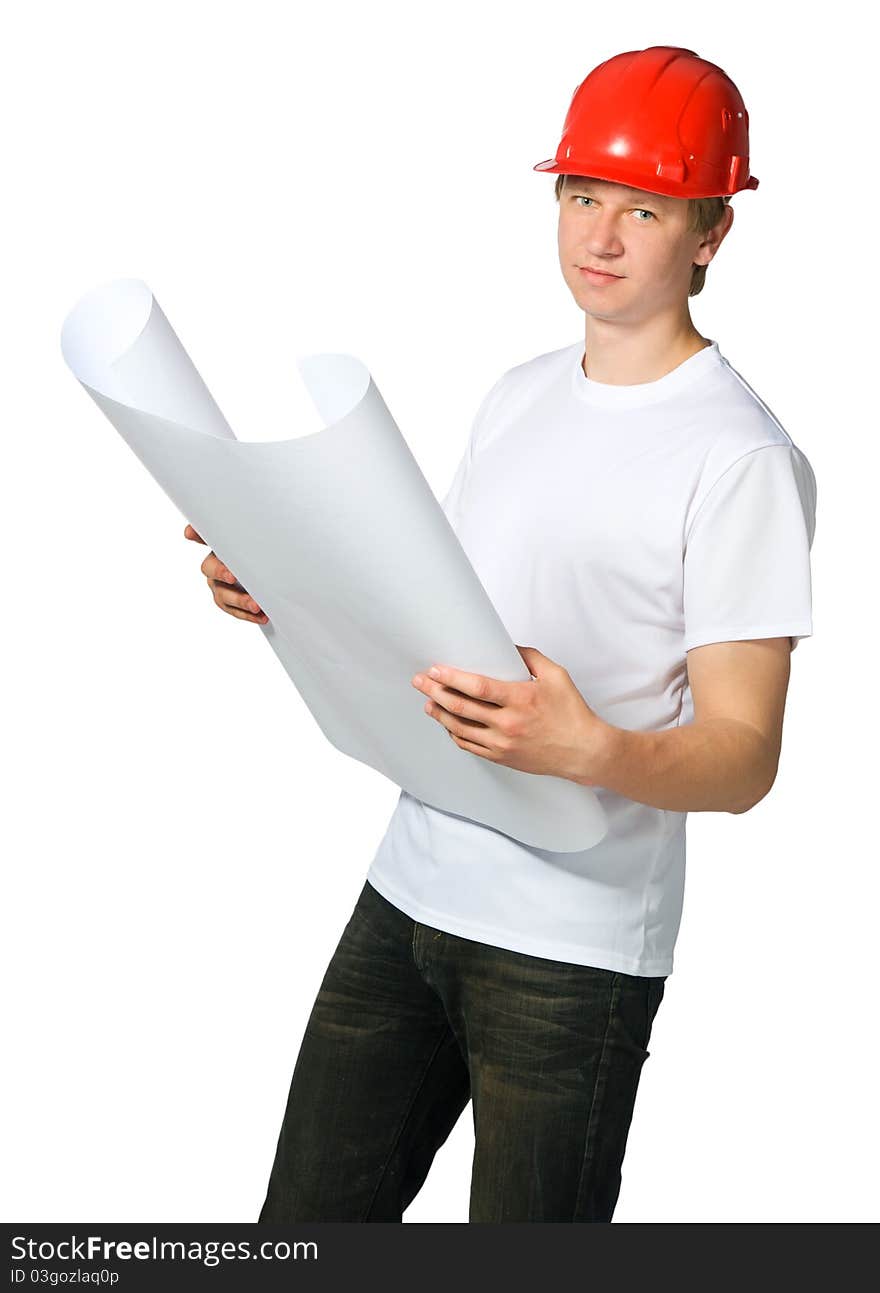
(409, 1024)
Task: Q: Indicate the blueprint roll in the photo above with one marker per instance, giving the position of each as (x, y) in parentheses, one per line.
(331, 533)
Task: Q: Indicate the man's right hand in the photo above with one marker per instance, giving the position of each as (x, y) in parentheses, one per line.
(228, 592)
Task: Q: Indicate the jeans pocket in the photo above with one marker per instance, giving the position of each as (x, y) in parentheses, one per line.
(380, 918)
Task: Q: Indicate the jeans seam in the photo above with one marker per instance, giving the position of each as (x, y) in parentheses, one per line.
(384, 1172)
(612, 1002)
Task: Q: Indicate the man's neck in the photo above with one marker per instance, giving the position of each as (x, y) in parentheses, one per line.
(627, 362)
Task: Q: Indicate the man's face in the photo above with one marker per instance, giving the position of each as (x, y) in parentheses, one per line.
(642, 237)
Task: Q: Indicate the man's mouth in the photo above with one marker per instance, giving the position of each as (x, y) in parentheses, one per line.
(597, 274)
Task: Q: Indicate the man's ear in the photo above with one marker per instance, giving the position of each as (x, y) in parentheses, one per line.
(715, 237)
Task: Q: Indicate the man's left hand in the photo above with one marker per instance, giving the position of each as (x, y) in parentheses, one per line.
(541, 726)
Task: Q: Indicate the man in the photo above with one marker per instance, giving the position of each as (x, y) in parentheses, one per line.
(631, 504)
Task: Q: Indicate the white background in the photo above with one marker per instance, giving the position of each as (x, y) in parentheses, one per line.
(182, 845)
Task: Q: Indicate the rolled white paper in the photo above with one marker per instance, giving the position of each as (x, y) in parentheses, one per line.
(331, 533)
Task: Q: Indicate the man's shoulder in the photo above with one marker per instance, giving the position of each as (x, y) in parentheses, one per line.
(546, 365)
(517, 389)
(738, 419)
(736, 423)
(524, 383)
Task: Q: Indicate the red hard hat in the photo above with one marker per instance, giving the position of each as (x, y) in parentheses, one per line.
(660, 119)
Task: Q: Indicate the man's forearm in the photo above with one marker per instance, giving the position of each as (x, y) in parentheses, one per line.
(717, 765)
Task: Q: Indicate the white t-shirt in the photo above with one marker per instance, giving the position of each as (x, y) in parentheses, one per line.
(614, 528)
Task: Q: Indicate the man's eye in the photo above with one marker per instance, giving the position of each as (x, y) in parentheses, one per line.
(642, 210)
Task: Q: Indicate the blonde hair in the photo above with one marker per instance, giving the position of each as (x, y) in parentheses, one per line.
(703, 215)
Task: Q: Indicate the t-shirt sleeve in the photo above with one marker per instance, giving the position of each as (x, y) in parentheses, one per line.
(747, 551)
(453, 500)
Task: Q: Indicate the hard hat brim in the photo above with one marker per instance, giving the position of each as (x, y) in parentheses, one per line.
(602, 171)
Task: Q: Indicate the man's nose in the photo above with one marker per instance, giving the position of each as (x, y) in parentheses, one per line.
(602, 237)
(604, 248)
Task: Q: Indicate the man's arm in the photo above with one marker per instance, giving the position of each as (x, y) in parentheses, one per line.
(726, 759)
